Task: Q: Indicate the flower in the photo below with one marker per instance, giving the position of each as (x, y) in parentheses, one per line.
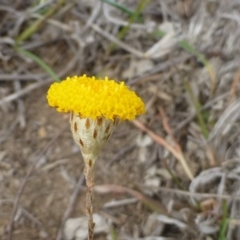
(95, 107)
(95, 98)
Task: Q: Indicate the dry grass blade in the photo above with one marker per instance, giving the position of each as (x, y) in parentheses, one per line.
(119, 43)
(24, 91)
(150, 203)
(165, 144)
(198, 195)
(234, 87)
(168, 129)
(36, 25)
(230, 115)
(21, 77)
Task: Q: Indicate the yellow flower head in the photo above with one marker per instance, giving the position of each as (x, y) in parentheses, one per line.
(94, 98)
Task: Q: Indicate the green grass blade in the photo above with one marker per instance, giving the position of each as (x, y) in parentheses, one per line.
(186, 46)
(142, 4)
(135, 15)
(225, 222)
(124, 9)
(113, 233)
(27, 33)
(159, 33)
(40, 62)
(197, 107)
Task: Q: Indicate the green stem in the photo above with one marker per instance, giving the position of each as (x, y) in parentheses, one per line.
(225, 221)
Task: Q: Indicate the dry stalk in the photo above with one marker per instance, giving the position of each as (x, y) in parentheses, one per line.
(89, 175)
(234, 87)
(176, 144)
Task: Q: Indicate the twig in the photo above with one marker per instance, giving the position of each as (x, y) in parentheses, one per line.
(20, 105)
(21, 77)
(11, 128)
(57, 163)
(31, 216)
(24, 182)
(121, 153)
(24, 91)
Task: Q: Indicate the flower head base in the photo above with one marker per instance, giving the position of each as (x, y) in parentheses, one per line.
(90, 135)
(94, 98)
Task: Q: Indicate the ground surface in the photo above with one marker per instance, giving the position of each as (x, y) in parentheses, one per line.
(173, 173)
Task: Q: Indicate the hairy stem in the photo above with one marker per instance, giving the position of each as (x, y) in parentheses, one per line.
(89, 174)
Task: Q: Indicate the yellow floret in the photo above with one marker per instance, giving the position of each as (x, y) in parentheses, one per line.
(93, 98)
